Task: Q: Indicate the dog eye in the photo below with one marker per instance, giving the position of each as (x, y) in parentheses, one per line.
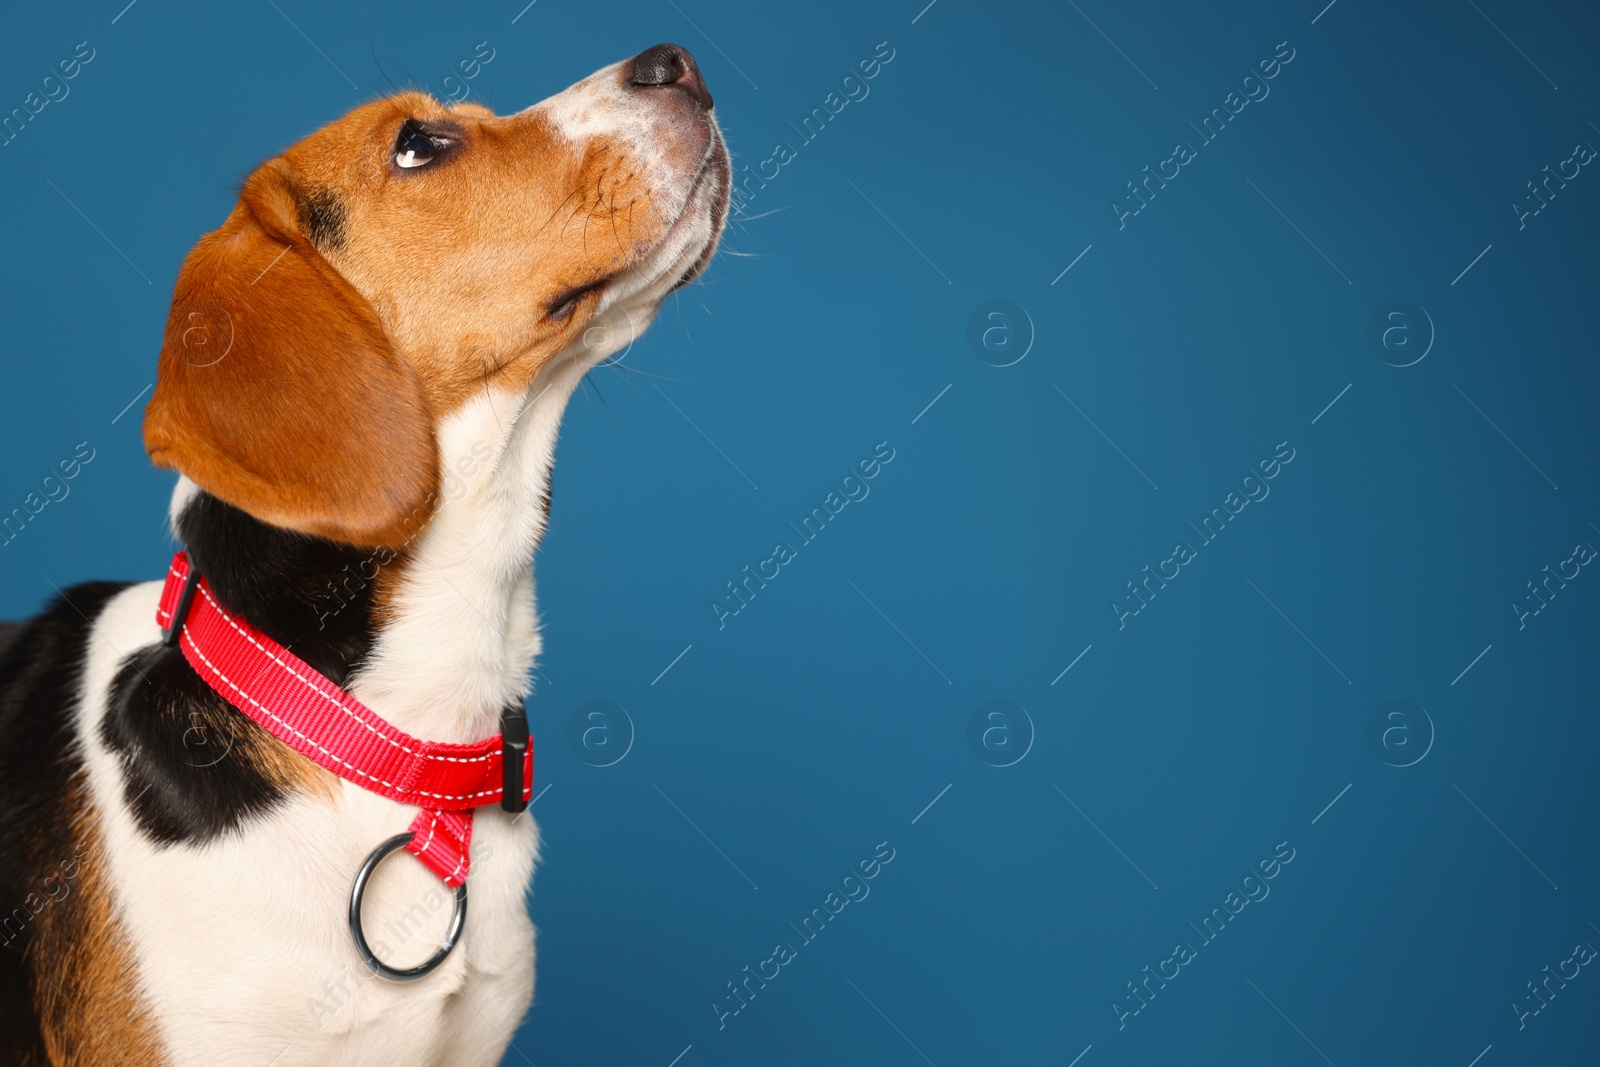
(413, 148)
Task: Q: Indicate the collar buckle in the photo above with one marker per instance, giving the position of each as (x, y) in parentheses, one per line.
(169, 636)
(513, 751)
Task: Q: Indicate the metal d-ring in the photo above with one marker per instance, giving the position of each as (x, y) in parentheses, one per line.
(358, 890)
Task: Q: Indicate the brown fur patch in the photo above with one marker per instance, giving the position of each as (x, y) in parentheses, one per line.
(280, 764)
(89, 1005)
(277, 389)
(292, 771)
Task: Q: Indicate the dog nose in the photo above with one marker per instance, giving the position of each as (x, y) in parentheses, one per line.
(668, 66)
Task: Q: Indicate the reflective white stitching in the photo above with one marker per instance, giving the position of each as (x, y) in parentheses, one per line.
(388, 785)
(313, 687)
(431, 827)
(160, 614)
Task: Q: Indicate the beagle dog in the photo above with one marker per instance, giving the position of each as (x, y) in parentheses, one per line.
(360, 386)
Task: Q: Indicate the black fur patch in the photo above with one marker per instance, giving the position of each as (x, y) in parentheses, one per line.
(311, 595)
(323, 215)
(191, 763)
(41, 676)
(195, 766)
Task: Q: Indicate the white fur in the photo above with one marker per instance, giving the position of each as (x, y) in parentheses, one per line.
(241, 945)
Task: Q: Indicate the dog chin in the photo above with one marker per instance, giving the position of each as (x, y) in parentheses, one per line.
(679, 256)
(683, 251)
(709, 200)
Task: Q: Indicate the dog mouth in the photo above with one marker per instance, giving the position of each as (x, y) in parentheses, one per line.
(718, 171)
(679, 253)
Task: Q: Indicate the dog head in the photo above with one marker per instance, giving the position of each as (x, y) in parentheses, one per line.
(411, 254)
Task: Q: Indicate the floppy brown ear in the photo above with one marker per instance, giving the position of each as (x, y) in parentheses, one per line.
(277, 390)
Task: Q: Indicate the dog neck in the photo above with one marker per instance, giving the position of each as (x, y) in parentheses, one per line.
(440, 635)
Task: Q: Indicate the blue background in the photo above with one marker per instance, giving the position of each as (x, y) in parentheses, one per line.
(1180, 749)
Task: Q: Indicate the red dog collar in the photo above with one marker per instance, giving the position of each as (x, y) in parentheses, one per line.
(319, 720)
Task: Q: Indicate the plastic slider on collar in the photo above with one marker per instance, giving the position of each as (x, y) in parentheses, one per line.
(169, 636)
(513, 751)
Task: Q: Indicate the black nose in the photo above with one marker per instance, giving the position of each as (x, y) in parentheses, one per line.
(668, 66)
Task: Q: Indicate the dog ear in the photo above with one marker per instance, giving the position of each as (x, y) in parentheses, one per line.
(277, 390)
